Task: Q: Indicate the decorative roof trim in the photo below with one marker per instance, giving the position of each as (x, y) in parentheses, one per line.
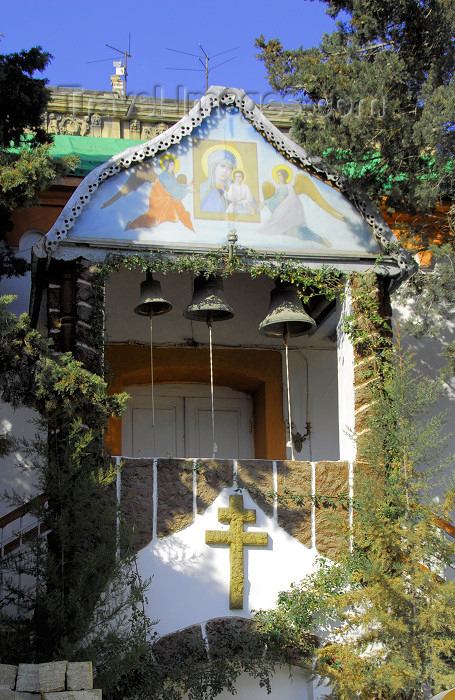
(214, 97)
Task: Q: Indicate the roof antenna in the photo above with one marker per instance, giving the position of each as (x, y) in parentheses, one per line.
(204, 60)
(120, 70)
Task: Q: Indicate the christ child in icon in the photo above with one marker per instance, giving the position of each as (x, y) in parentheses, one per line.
(238, 195)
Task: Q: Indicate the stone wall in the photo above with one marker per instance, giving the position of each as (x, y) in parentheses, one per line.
(310, 503)
(56, 680)
(220, 638)
(76, 112)
(74, 318)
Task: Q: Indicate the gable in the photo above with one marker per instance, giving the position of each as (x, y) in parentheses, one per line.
(222, 171)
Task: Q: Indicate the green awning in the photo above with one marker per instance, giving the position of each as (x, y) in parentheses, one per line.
(91, 150)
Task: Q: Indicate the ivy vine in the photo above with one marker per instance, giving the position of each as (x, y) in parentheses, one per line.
(326, 280)
(369, 324)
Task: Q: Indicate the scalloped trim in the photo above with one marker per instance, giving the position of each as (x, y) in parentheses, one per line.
(214, 97)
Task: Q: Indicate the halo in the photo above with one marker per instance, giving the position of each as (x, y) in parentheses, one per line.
(170, 156)
(220, 147)
(238, 170)
(286, 168)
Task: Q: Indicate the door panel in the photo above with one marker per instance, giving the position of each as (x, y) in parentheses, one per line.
(226, 434)
(162, 439)
(183, 423)
(232, 428)
(140, 438)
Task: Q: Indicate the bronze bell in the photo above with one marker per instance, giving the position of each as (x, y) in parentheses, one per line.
(286, 313)
(152, 302)
(208, 303)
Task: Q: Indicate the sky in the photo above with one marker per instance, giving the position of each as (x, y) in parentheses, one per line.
(76, 34)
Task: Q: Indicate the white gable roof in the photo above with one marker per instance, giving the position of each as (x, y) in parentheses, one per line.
(172, 193)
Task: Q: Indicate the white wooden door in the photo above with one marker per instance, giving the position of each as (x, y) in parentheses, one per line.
(142, 438)
(183, 423)
(233, 426)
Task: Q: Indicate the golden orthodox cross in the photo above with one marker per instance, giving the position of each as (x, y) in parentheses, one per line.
(237, 539)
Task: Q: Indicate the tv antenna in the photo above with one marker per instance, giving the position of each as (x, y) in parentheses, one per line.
(120, 69)
(205, 61)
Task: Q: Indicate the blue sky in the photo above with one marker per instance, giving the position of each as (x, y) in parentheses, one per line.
(76, 33)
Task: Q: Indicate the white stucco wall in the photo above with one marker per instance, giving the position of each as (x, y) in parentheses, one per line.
(314, 399)
(345, 360)
(16, 469)
(286, 684)
(429, 362)
(191, 579)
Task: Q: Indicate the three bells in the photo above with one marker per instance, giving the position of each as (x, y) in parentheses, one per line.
(286, 317)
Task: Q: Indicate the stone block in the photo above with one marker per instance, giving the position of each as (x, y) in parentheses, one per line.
(52, 676)
(79, 675)
(137, 502)
(84, 333)
(256, 475)
(54, 318)
(85, 292)
(181, 648)
(87, 270)
(294, 499)
(212, 476)
(84, 311)
(226, 636)
(8, 673)
(363, 420)
(7, 694)
(365, 369)
(53, 297)
(332, 508)
(175, 495)
(94, 694)
(88, 356)
(365, 394)
(28, 678)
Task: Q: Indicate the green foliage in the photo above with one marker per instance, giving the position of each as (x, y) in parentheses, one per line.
(308, 606)
(327, 280)
(428, 299)
(25, 171)
(26, 164)
(369, 324)
(24, 98)
(430, 295)
(377, 97)
(85, 602)
(386, 613)
(255, 649)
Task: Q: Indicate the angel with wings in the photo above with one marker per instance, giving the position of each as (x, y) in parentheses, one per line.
(287, 213)
(165, 196)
